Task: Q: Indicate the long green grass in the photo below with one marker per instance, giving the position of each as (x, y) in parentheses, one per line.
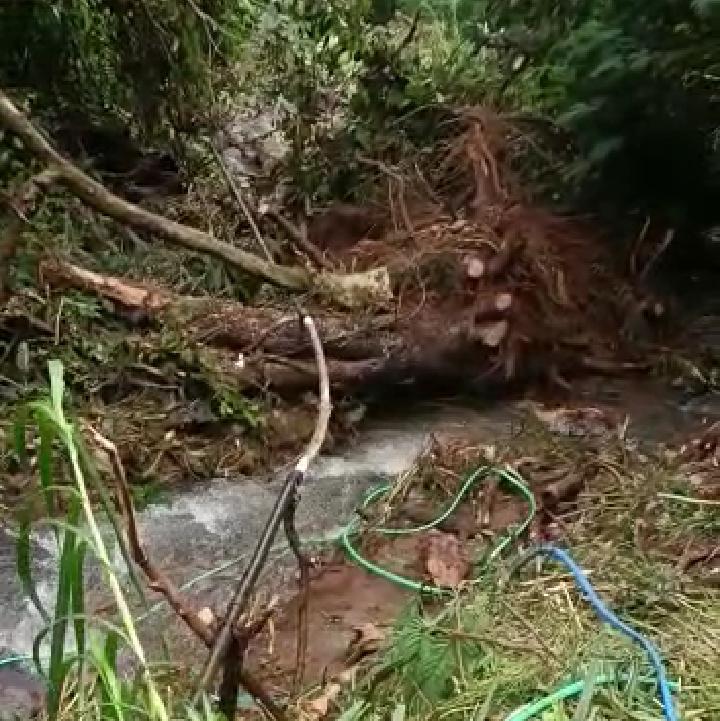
(77, 654)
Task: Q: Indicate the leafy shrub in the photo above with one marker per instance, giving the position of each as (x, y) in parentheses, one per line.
(637, 86)
(145, 60)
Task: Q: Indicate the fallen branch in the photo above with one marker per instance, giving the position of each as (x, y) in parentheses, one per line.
(161, 583)
(260, 347)
(349, 290)
(286, 500)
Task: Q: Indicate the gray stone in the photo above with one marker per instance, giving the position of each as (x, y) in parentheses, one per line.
(22, 696)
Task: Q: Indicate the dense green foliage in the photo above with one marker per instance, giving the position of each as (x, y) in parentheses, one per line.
(633, 85)
(638, 87)
(145, 59)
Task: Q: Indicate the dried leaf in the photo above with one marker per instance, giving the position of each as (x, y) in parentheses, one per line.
(574, 421)
(444, 559)
(368, 639)
(318, 707)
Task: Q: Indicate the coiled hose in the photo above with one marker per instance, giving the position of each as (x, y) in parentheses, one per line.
(511, 477)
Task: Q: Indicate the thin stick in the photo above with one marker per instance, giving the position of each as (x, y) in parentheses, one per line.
(636, 246)
(219, 650)
(303, 592)
(161, 583)
(241, 202)
(661, 248)
(299, 237)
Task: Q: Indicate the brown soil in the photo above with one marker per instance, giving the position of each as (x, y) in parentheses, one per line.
(343, 598)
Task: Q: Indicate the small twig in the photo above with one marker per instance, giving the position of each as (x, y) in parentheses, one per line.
(398, 178)
(299, 237)
(688, 499)
(636, 246)
(661, 248)
(241, 202)
(58, 317)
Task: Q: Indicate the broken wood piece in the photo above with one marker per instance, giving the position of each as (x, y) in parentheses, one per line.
(131, 295)
(491, 334)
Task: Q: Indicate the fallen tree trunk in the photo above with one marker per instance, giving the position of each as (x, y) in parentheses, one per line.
(264, 347)
(350, 290)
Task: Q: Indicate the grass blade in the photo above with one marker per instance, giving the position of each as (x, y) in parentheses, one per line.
(23, 565)
(63, 611)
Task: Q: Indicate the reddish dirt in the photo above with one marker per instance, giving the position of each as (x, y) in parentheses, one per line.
(342, 598)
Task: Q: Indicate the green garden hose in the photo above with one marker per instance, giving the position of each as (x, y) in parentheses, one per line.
(532, 710)
(480, 473)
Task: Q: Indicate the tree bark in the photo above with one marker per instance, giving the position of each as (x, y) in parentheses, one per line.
(263, 347)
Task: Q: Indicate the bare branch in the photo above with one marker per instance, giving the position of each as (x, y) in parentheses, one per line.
(288, 494)
(300, 239)
(243, 205)
(157, 580)
(355, 289)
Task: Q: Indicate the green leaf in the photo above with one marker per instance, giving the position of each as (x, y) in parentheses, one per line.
(583, 708)
(46, 431)
(78, 597)
(57, 388)
(24, 565)
(63, 611)
(354, 713)
(105, 661)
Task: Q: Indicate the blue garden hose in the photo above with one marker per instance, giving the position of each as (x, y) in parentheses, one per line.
(607, 616)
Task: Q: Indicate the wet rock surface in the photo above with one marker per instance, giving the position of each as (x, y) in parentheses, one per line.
(22, 695)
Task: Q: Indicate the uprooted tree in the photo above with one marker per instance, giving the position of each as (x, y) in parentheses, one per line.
(493, 291)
